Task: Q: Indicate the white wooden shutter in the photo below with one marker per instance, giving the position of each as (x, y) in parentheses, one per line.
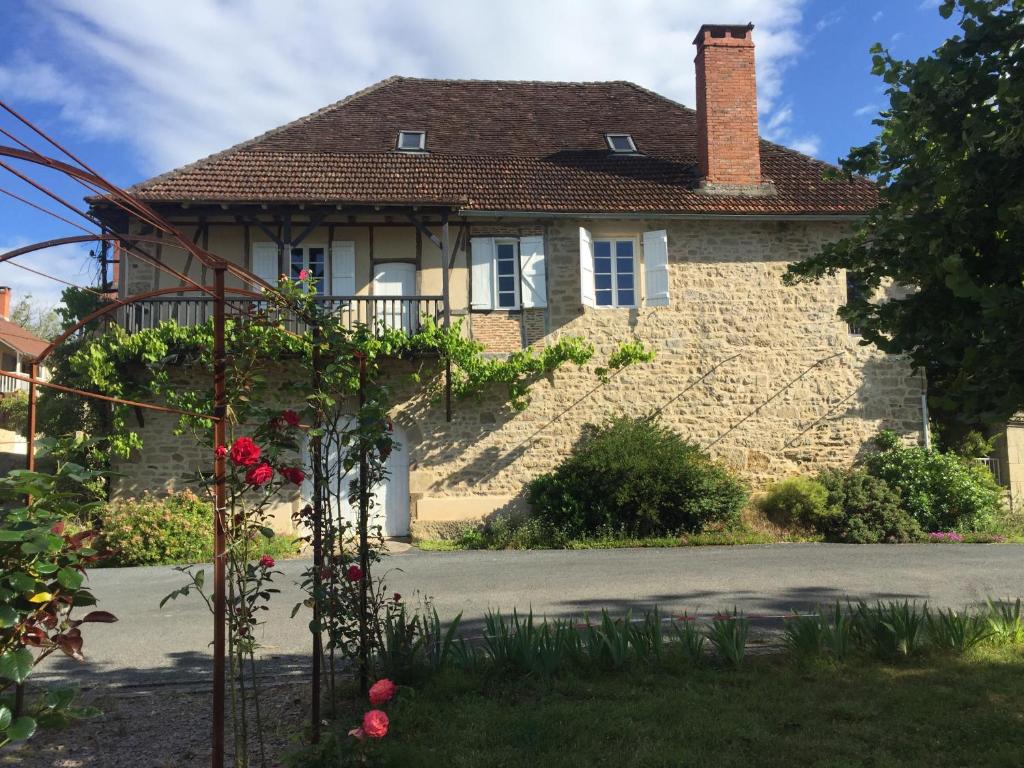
(482, 276)
(343, 268)
(656, 268)
(587, 269)
(531, 271)
(264, 262)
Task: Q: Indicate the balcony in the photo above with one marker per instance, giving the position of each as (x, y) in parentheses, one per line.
(378, 312)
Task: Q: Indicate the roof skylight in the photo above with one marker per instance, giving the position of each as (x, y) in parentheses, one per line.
(620, 142)
(412, 141)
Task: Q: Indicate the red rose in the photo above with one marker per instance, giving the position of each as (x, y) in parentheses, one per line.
(266, 561)
(354, 573)
(258, 475)
(292, 475)
(291, 418)
(375, 724)
(303, 274)
(220, 451)
(244, 452)
(382, 692)
(398, 598)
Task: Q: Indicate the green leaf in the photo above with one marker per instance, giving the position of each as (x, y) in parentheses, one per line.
(46, 568)
(70, 578)
(8, 616)
(8, 535)
(21, 729)
(5, 718)
(21, 582)
(16, 665)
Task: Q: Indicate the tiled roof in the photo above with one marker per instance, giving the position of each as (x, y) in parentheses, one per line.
(492, 145)
(16, 337)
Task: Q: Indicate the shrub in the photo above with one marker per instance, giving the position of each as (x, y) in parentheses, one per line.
(797, 502)
(637, 477)
(153, 531)
(14, 412)
(941, 491)
(864, 510)
(168, 530)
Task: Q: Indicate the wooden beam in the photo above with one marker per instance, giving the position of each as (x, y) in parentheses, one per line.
(427, 233)
(314, 222)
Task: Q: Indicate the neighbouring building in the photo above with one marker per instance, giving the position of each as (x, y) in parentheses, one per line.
(596, 209)
(18, 348)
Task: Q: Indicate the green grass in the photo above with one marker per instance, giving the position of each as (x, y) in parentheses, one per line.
(711, 538)
(938, 712)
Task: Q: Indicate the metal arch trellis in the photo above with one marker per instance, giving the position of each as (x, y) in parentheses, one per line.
(81, 173)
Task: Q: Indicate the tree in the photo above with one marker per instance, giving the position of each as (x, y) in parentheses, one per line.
(949, 161)
(44, 323)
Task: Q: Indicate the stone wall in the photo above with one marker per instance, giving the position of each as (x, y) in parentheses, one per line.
(765, 376)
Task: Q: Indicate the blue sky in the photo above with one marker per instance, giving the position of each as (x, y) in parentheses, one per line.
(136, 88)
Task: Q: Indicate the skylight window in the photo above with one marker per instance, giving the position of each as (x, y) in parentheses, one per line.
(412, 141)
(620, 142)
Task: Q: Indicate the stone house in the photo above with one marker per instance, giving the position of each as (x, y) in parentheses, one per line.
(533, 210)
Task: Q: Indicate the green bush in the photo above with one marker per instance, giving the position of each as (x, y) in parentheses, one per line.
(864, 510)
(14, 412)
(800, 502)
(637, 477)
(152, 531)
(166, 530)
(941, 491)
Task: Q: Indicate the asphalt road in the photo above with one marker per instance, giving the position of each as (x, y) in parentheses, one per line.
(171, 644)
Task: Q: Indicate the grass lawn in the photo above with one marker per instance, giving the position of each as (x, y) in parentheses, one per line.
(934, 712)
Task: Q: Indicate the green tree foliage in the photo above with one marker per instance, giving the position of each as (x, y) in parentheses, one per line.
(949, 160)
(639, 477)
(44, 322)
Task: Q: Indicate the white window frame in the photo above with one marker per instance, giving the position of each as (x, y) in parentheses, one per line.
(325, 282)
(422, 145)
(615, 273)
(608, 137)
(495, 291)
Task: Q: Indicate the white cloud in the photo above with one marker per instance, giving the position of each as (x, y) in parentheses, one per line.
(927, 5)
(68, 262)
(809, 145)
(896, 36)
(877, 15)
(180, 80)
(827, 21)
(867, 109)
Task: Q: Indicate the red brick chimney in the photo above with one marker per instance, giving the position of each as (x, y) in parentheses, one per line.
(5, 302)
(727, 138)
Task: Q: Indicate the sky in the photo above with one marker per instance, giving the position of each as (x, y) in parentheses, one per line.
(137, 88)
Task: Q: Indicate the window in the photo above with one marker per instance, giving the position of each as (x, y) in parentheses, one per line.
(309, 257)
(412, 141)
(506, 279)
(855, 292)
(620, 142)
(614, 273)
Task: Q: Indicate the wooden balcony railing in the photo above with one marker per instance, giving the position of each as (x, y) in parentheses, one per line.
(377, 312)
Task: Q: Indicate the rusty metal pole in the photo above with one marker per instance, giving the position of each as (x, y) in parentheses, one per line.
(30, 465)
(220, 527)
(316, 453)
(364, 554)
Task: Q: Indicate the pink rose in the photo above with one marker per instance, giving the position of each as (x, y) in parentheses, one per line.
(266, 561)
(382, 692)
(375, 724)
(259, 475)
(354, 573)
(293, 475)
(304, 274)
(244, 452)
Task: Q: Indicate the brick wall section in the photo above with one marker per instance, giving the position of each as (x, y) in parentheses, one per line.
(534, 325)
(498, 331)
(727, 140)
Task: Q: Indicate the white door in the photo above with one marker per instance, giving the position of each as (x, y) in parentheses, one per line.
(391, 501)
(394, 279)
